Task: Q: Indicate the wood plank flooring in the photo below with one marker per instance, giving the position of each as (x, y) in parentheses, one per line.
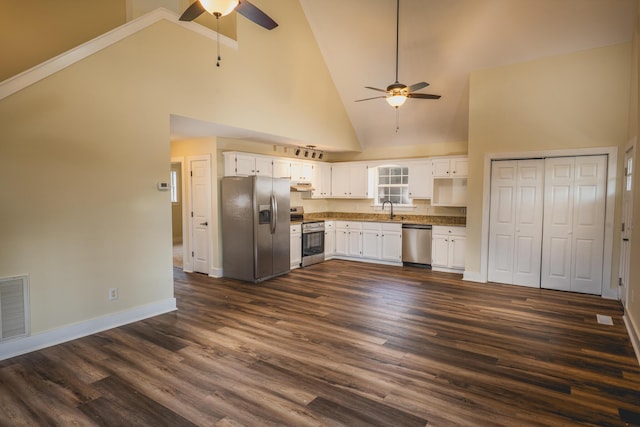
(340, 343)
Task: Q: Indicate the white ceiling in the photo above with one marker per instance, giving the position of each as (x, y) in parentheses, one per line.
(441, 42)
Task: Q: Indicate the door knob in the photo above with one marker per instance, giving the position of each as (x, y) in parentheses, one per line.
(204, 223)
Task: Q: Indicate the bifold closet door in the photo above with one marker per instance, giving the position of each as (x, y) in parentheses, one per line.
(515, 228)
(574, 212)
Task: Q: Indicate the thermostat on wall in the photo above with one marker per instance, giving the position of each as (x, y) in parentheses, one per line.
(163, 186)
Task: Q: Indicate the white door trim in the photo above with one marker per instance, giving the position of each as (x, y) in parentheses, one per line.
(185, 201)
(624, 264)
(187, 238)
(612, 167)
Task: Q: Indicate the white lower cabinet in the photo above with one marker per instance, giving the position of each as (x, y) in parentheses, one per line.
(349, 238)
(368, 241)
(371, 240)
(391, 240)
(448, 248)
(296, 245)
(329, 239)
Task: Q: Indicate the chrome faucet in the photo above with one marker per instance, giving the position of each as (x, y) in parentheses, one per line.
(391, 215)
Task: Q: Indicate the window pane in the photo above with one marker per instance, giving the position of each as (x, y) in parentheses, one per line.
(174, 187)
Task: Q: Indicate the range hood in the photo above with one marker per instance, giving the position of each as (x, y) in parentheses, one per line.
(301, 187)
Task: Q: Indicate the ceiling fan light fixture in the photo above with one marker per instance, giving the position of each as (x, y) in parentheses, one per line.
(396, 99)
(219, 7)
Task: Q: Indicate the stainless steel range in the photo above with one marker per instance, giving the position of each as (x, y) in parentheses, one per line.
(312, 242)
(312, 237)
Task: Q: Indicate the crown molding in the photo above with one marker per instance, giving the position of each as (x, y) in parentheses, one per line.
(35, 74)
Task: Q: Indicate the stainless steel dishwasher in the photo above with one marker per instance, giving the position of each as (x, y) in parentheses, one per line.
(416, 245)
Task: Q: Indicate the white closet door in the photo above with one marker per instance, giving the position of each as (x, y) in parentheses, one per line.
(515, 240)
(528, 232)
(588, 224)
(573, 238)
(502, 220)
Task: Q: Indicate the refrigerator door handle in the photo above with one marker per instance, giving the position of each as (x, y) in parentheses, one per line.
(274, 213)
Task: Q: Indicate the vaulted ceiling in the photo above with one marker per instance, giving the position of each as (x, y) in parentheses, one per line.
(441, 42)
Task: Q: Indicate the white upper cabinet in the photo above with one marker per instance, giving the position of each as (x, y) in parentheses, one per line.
(449, 181)
(301, 171)
(281, 168)
(321, 181)
(420, 179)
(243, 164)
(455, 167)
(350, 180)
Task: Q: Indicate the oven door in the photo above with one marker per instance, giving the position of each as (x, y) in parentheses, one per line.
(312, 247)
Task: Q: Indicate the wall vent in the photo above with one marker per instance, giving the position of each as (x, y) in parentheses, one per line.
(14, 307)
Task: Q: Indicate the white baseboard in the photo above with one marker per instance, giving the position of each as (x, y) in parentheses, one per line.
(473, 276)
(609, 293)
(215, 272)
(31, 343)
(633, 334)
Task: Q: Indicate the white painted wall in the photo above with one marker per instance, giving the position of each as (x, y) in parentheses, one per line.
(83, 150)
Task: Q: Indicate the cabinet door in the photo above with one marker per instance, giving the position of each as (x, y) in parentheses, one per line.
(354, 246)
(440, 250)
(391, 246)
(301, 172)
(440, 168)
(281, 168)
(245, 165)
(340, 181)
(358, 181)
(264, 166)
(329, 243)
(420, 180)
(371, 244)
(459, 167)
(296, 247)
(342, 241)
(457, 249)
(321, 181)
(307, 172)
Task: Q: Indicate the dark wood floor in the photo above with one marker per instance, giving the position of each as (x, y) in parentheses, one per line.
(340, 343)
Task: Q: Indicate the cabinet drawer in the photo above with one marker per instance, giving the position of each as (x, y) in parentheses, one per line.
(372, 226)
(296, 228)
(351, 225)
(392, 227)
(451, 231)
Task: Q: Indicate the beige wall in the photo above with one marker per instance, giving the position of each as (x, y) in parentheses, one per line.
(32, 31)
(574, 101)
(633, 304)
(84, 149)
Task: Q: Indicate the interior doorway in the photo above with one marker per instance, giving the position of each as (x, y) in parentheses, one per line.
(176, 213)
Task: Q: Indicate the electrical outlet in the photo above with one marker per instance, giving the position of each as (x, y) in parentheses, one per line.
(113, 294)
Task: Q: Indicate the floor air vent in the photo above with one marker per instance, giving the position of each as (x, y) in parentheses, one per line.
(14, 307)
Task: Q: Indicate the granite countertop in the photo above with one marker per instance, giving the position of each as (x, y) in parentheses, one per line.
(398, 218)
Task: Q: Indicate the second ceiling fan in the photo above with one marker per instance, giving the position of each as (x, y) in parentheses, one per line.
(220, 8)
(397, 93)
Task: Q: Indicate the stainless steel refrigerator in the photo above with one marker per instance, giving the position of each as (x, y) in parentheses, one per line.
(255, 227)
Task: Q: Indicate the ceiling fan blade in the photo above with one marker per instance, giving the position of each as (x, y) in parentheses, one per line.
(423, 96)
(367, 99)
(254, 14)
(418, 86)
(196, 9)
(375, 88)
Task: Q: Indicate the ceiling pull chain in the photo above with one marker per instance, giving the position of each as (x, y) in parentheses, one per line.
(217, 15)
(397, 119)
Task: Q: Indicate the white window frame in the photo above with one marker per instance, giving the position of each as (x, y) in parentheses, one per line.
(377, 185)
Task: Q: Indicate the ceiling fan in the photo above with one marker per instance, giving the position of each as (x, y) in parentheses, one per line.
(219, 8)
(397, 93)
